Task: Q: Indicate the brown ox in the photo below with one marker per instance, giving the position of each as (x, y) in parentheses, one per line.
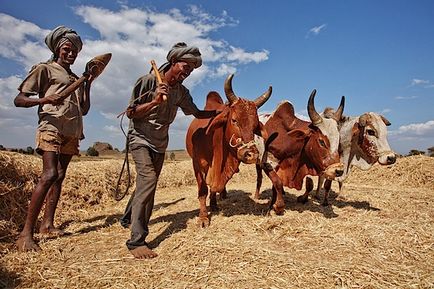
(303, 148)
(218, 146)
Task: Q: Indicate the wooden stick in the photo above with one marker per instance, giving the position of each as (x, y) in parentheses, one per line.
(159, 80)
(157, 74)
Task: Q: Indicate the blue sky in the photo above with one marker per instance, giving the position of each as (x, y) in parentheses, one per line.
(379, 54)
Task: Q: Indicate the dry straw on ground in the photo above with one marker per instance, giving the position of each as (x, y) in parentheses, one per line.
(379, 234)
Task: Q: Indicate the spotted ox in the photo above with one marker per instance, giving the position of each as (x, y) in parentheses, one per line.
(218, 146)
(303, 148)
(362, 143)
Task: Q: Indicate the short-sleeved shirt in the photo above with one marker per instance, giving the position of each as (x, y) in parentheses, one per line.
(153, 129)
(49, 78)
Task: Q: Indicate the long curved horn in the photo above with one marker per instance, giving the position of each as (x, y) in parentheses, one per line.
(338, 114)
(313, 115)
(264, 97)
(230, 95)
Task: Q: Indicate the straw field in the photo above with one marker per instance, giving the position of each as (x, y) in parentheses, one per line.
(378, 234)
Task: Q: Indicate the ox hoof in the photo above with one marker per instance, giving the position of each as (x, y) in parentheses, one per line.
(279, 210)
(203, 222)
(325, 203)
(302, 199)
(223, 195)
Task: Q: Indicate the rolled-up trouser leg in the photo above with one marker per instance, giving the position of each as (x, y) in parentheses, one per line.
(148, 167)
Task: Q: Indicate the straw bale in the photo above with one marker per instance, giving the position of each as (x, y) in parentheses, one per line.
(379, 235)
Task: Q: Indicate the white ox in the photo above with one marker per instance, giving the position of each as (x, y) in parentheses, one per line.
(362, 143)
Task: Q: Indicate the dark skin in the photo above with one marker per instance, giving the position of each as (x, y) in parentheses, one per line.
(54, 165)
(177, 72)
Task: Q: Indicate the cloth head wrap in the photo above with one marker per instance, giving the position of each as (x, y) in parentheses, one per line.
(59, 36)
(181, 52)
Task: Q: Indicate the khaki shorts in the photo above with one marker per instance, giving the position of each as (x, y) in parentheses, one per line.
(50, 141)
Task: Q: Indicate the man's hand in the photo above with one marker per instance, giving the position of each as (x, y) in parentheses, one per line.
(131, 109)
(53, 99)
(161, 92)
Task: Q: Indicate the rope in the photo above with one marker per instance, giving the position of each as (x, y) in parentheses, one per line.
(116, 195)
(126, 163)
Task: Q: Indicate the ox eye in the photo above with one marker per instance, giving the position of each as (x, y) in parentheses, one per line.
(322, 143)
(370, 132)
(234, 121)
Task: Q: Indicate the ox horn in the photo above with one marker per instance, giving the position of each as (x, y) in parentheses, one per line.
(264, 97)
(313, 114)
(230, 95)
(338, 114)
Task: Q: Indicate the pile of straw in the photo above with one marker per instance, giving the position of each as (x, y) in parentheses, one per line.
(379, 235)
(408, 172)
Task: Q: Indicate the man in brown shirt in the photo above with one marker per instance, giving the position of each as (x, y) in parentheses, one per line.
(148, 138)
(60, 126)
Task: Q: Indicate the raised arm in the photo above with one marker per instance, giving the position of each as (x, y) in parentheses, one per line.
(140, 110)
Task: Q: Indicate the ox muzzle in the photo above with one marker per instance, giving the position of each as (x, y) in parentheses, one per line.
(387, 158)
(333, 171)
(246, 152)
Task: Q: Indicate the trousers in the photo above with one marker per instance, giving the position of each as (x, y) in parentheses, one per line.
(138, 212)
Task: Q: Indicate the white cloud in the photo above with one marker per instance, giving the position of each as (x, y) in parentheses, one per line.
(419, 130)
(406, 97)
(385, 111)
(316, 30)
(134, 37)
(239, 55)
(416, 81)
(25, 43)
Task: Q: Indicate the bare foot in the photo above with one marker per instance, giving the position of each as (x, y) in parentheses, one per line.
(26, 243)
(143, 252)
(51, 231)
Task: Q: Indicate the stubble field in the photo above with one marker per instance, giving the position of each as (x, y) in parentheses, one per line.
(378, 234)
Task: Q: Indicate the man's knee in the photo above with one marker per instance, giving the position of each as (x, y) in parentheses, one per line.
(49, 175)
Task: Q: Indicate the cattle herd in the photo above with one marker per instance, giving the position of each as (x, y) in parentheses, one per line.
(285, 147)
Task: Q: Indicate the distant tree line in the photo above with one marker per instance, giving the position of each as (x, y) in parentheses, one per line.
(91, 151)
(27, 151)
(414, 152)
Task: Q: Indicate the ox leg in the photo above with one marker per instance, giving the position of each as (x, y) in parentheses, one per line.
(318, 189)
(203, 220)
(309, 187)
(223, 194)
(341, 184)
(327, 187)
(213, 202)
(258, 181)
(277, 201)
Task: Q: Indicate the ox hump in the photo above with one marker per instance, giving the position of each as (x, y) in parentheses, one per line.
(285, 109)
(213, 101)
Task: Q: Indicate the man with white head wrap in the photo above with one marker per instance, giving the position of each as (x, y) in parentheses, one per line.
(60, 126)
(148, 136)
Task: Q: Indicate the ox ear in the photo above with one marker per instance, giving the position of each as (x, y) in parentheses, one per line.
(297, 134)
(363, 119)
(386, 122)
(218, 121)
